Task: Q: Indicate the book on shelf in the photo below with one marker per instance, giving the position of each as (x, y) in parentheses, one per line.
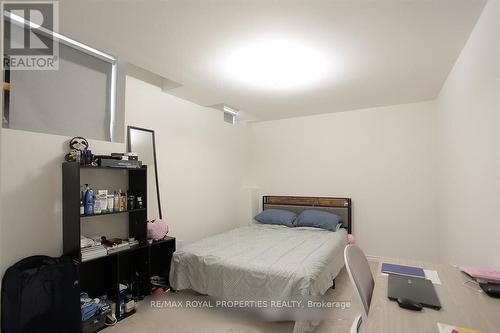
(93, 252)
(96, 251)
(95, 248)
(118, 247)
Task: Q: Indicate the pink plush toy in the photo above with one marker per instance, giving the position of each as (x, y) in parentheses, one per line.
(157, 229)
(351, 239)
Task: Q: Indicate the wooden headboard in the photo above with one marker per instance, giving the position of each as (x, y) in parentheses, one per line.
(339, 206)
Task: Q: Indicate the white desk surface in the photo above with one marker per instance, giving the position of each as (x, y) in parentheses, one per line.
(461, 306)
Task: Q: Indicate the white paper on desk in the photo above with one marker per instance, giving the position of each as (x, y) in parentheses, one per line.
(432, 276)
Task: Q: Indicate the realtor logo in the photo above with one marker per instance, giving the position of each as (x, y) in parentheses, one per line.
(28, 41)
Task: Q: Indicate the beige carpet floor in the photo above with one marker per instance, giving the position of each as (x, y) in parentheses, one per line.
(185, 320)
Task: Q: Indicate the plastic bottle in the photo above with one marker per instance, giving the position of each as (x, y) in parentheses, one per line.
(89, 201)
(111, 203)
(124, 201)
(97, 203)
(117, 202)
(103, 198)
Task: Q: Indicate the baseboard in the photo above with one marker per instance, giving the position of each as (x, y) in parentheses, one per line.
(373, 258)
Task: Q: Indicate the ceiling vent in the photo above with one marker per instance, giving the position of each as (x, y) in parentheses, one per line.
(230, 115)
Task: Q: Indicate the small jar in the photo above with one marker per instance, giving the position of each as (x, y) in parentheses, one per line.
(123, 203)
(131, 202)
(139, 203)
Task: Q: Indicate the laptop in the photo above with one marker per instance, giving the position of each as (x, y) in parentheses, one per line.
(416, 289)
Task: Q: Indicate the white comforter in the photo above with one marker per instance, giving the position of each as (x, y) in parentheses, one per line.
(261, 261)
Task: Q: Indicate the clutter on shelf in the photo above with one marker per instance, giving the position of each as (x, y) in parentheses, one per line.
(126, 299)
(95, 202)
(79, 152)
(95, 312)
(96, 247)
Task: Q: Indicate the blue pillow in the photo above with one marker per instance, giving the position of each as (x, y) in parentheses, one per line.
(318, 219)
(276, 216)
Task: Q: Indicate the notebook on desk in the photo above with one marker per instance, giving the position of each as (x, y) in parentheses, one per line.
(402, 270)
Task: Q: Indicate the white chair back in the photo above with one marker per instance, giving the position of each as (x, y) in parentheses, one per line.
(361, 278)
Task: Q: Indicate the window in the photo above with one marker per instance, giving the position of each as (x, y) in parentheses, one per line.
(78, 98)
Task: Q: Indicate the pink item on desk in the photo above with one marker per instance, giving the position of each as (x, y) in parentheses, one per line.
(351, 239)
(482, 273)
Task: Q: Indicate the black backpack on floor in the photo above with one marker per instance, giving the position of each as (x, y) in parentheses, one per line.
(41, 294)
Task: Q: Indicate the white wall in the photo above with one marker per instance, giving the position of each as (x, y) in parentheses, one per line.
(383, 158)
(469, 155)
(31, 192)
(424, 178)
(201, 158)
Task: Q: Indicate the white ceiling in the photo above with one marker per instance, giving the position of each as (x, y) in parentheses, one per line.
(381, 52)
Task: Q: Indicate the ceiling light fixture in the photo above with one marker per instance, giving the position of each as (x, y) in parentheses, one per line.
(276, 64)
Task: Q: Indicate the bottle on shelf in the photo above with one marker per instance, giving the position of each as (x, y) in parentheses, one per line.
(130, 202)
(82, 200)
(111, 203)
(103, 198)
(122, 201)
(97, 204)
(116, 199)
(89, 201)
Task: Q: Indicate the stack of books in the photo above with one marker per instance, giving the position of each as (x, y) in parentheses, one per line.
(93, 252)
(403, 270)
(118, 247)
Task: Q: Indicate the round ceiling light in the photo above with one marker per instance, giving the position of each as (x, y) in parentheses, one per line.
(276, 64)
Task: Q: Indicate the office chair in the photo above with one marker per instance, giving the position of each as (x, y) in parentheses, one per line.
(362, 281)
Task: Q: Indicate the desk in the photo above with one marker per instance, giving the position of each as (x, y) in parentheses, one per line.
(461, 306)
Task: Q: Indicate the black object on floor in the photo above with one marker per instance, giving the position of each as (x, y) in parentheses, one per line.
(40, 294)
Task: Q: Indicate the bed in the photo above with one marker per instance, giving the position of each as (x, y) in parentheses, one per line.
(262, 261)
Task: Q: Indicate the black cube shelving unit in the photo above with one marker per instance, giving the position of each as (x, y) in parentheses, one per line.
(102, 276)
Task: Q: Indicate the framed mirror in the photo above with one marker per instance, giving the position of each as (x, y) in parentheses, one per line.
(142, 142)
